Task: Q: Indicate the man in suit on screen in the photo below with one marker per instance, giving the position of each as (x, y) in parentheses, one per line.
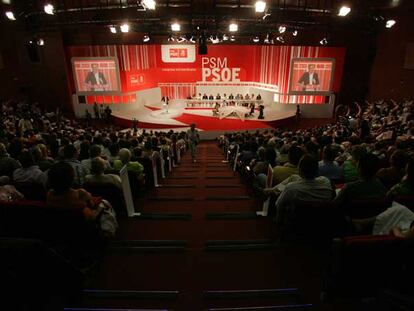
(95, 80)
(309, 79)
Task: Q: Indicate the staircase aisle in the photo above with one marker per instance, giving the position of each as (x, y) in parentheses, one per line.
(180, 251)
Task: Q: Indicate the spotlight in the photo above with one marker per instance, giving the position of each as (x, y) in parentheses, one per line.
(49, 9)
(233, 27)
(265, 16)
(225, 37)
(232, 38)
(125, 28)
(256, 39)
(181, 39)
(148, 4)
(192, 39)
(282, 29)
(390, 23)
(40, 42)
(146, 38)
(214, 39)
(171, 39)
(260, 6)
(324, 41)
(267, 39)
(113, 29)
(175, 27)
(10, 15)
(280, 39)
(295, 33)
(344, 11)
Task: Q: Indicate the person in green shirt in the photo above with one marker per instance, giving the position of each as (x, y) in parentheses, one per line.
(280, 173)
(350, 166)
(406, 186)
(367, 187)
(132, 166)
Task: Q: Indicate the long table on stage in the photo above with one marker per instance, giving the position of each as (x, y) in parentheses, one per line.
(210, 103)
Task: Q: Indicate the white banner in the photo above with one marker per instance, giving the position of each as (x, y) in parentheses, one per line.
(178, 53)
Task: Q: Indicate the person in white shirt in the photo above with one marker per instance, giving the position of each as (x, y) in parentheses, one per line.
(310, 188)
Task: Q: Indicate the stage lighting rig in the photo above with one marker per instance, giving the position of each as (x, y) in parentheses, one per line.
(149, 4)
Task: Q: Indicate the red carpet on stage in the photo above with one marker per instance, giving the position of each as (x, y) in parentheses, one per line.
(215, 124)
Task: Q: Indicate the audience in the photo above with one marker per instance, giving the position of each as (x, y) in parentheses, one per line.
(390, 176)
(328, 167)
(29, 172)
(406, 186)
(7, 164)
(309, 188)
(366, 187)
(61, 178)
(132, 166)
(97, 176)
(282, 172)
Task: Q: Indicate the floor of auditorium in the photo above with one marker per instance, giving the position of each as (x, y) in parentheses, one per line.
(175, 263)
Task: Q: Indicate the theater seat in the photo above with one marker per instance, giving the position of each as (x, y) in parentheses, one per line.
(32, 191)
(361, 265)
(407, 201)
(46, 278)
(315, 222)
(366, 208)
(148, 171)
(109, 192)
(65, 230)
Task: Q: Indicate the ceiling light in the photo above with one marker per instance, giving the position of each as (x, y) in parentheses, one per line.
(10, 15)
(6, 1)
(282, 29)
(225, 37)
(256, 39)
(175, 27)
(149, 4)
(344, 11)
(125, 28)
(324, 41)
(146, 38)
(265, 16)
(40, 42)
(233, 27)
(260, 6)
(113, 29)
(280, 39)
(49, 9)
(295, 33)
(390, 23)
(232, 38)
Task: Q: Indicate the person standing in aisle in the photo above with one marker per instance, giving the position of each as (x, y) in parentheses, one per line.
(193, 139)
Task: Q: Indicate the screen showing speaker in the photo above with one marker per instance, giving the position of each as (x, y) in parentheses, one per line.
(96, 75)
(311, 76)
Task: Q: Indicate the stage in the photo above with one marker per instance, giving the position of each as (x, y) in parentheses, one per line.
(179, 117)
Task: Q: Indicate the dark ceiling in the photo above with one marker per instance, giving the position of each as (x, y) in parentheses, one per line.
(211, 16)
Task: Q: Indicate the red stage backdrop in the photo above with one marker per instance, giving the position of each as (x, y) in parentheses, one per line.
(178, 69)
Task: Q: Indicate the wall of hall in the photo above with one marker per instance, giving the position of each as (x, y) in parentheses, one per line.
(388, 78)
(44, 81)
